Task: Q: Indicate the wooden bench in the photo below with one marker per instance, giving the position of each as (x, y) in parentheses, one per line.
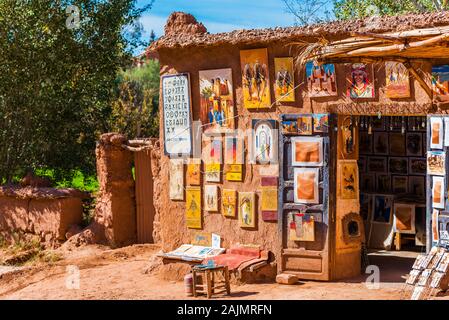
(211, 284)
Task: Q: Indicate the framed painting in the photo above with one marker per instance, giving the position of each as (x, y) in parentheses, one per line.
(212, 158)
(193, 175)
(234, 158)
(397, 144)
(349, 179)
(366, 143)
(382, 209)
(301, 226)
(377, 165)
(367, 182)
(359, 81)
(398, 165)
(404, 218)
(306, 185)
(193, 207)
(305, 125)
(216, 99)
(399, 184)
(381, 143)
(264, 144)
(229, 203)
(289, 127)
(414, 144)
(397, 80)
(417, 186)
(440, 82)
(438, 188)
(436, 163)
(320, 123)
(176, 174)
(383, 183)
(269, 203)
(378, 124)
(435, 225)
(321, 80)
(255, 78)
(284, 86)
(247, 210)
(436, 133)
(417, 166)
(307, 151)
(211, 198)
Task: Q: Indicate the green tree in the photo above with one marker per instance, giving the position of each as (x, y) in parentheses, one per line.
(58, 75)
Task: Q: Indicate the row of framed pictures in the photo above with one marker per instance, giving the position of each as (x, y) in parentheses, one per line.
(392, 165)
(412, 144)
(306, 125)
(396, 184)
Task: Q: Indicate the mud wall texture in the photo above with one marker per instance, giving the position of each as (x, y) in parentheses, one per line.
(115, 209)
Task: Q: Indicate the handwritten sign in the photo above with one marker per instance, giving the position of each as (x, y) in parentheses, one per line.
(177, 118)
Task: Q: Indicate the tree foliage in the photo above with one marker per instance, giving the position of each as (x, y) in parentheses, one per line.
(57, 83)
(309, 11)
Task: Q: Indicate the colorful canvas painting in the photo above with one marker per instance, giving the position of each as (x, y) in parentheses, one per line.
(301, 227)
(414, 144)
(321, 80)
(289, 127)
(264, 141)
(398, 80)
(211, 198)
(320, 123)
(201, 238)
(228, 203)
(417, 186)
(397, 144)
(435, 226)
(438, 192)
(212, 158)
(285, 80)
(404, 218)
(436, 163)
(400, 184)
(436, 133)
(269, 203)
(193, 175)
(305, 125)
(234, 158)
(255, 78)
(193, 207)
(307, 151)
(306, 185)
(349, 179)
(217, 99)
(382, 209)
(176, 173)
(440, 82)
(247, 210)
(359, 81)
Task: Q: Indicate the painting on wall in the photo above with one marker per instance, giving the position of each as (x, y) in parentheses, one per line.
(359, 81)
(211, 198)
(404, 218)
(247, 210)
(217, 99)
(381, 143)
(176, 173)
(400, 184)
(417, 185)
(377, 164)
(193, 175)
(307, 151)
(435, 229)
(398, 165)
(366, 143)
(212, 158)
(269, 198)
(234, 158)
(414, 144)
(305, 125)
(349, 179)
(285, 80)
(289, 127)
(301, 227)
(436, 163)
(417, 166)
(438, 192)
(382, 209)
(306, 185)
(193, 207)
(320, 123)
(255, 78)
(397, 80)
(440, 82)
(383, 183)
(397, 144)
(228, 203)
(321, 80)
(264, 141)
(436, 133)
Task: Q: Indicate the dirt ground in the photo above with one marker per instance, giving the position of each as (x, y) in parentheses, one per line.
(123, 274)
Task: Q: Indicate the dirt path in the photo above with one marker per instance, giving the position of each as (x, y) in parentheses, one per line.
(120, 274)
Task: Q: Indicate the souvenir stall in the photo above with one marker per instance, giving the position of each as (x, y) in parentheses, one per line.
(308, 150)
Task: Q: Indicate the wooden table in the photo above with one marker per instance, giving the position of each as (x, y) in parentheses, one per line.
(210, 284)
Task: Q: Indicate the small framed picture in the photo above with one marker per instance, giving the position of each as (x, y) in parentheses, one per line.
(414, 145)
(436, 133)
(381, 143)
(383, 183)
(366, 143)
(417, 185)
(382, 209)
(438, 196)
(398, 165)
(436, 163)
(397, 144)
(367, 182)
(417, 166)
(377, 165)
(307, 151)
(404, 218)
(400, 184)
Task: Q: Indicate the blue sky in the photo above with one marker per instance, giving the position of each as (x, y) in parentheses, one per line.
(219, 15)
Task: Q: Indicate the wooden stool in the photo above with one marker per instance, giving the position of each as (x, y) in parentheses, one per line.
(210, 285)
